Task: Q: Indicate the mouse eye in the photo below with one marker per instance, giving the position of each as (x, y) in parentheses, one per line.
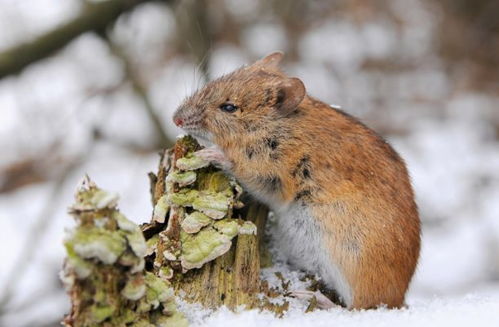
(228, 107)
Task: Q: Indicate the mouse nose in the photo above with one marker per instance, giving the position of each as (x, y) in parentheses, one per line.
(179, 122)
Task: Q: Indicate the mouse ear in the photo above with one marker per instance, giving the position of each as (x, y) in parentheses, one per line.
(290, 94)
(271, 61)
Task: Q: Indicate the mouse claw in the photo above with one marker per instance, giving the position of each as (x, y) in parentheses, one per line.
(215, 156)
(323, 302)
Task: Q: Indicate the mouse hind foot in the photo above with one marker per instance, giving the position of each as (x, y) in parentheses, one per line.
(323, 302)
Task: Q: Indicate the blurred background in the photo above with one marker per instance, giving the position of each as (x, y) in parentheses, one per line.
(90, 87)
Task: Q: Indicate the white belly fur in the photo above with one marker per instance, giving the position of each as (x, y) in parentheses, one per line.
(299, 238)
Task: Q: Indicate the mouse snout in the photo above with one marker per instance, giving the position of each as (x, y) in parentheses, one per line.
(187, 119)
(178, 121)
(178, 118)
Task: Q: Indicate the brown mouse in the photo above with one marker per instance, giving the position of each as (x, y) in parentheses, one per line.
(342, 195)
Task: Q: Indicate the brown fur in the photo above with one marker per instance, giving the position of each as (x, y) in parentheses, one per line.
(286, 147)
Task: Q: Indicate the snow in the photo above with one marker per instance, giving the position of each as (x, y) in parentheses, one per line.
(275, 39)
(467, 311)
(348, 49)
(152, 26)
(22, 20)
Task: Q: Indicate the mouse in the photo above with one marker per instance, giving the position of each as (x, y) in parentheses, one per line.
(342, 195)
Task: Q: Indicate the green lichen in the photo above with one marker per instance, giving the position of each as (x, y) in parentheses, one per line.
(165, 272)
(81, 267)
(128, 316)
(133, 234)
(183, 198)
(124, 223)
(98, 243)
(151, 244)
(137, 243)
(135, 288)
(193, 222)
(228, 227)
(202, 247)
(214, 205)
(135, 263)
(158, 290)
(176, 319)
(169, 308)
(99, 313)
(215, 182)
(182, 178)
(95, 199)
(161, 209)
(169, 255)
(191, 162)
(143, 323)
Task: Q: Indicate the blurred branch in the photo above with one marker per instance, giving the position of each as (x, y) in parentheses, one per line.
(36, 233)
(95, 16)
(32, 168)
(23, 172)
(140, 90)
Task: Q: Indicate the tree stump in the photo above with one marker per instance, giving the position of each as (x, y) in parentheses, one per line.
(232, 276)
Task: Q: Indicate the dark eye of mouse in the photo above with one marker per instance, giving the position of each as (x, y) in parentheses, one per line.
(228, 107)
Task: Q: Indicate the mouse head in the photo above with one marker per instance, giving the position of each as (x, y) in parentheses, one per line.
(241, 101)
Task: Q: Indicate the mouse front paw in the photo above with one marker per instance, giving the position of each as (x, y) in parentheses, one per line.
(215, 156)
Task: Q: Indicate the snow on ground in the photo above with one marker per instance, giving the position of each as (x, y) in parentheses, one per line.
(465, 311)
